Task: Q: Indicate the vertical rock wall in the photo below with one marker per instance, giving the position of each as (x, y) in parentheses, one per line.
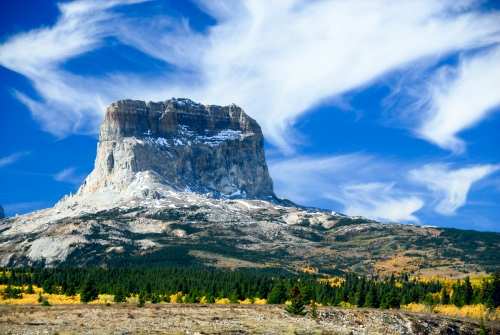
(189, 146)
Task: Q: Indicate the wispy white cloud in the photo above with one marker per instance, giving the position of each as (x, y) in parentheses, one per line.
(304, 179)
(460, 97)
(450, 187)
(276, 59)
(12, 158)
(345, 180)
(68, 102)
(378, 201)
(69, 176)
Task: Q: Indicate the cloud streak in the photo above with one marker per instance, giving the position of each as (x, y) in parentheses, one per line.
(68, 176)
(461, 97)
(68, 102)
(275, 59)
(308, 180)
(378, 201)
(12, 158)
(450, 187)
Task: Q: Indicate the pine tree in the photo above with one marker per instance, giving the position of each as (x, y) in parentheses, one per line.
(314, 310)
(429, 301)
(468, 291)
(119, 295)
(30, 289)
(445, 297)
(297, 305)
(482, 328)
(155, 298)
(70, 290)
(359, 297)
(277, 295)
(142, 299)
(233, 297)
(88, 291)
(494, 294)
(7, 292)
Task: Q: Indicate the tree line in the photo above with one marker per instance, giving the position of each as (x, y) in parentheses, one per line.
(158, 284)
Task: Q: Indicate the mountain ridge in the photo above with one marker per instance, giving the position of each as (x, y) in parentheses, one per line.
(150, 200)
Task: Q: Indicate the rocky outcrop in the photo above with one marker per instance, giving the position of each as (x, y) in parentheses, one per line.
(2, 213)
(182, 144)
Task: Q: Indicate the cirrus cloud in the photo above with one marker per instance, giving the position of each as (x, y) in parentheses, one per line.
(275, 59)
(450, 187)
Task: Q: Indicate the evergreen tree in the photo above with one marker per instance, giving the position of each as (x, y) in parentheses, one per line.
(119, 295)
(445, 297)
(494, 291)
(233, 297)
(390, 300)
(314, 310)
(371, 297)
(429, 301)
(70, 290)
(155, 298)
(277, 295)
(482, 328)
(7, 292)
(89, 291)
(359, 297)
(30, 289)
(142, 299)
(48, 286)
(297, 305)
(468, 292)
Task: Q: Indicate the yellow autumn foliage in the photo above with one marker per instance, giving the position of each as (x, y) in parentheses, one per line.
(415, 307)
(472, 311)
(173, 297)
(247, 301)
(222, 301)
(346, 304)
(258, 301)
(317, 303)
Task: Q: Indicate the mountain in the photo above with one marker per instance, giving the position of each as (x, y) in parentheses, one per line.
(177, 183)
(2, 213)
(188, 146)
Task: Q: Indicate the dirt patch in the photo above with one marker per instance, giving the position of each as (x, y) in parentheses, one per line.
(225, 319)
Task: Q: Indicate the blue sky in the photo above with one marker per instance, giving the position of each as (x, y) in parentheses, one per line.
(386, 109)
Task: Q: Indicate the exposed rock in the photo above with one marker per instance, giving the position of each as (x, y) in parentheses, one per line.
(171, 177)
(182, 144)
(2, 213)
(53, 248)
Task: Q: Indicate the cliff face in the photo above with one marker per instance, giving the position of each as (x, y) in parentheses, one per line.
(188, 146)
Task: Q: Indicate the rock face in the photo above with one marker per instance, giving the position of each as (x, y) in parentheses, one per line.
(2, 213)
(183, 144)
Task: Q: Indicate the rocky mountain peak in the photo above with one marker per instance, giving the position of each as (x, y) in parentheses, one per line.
(181, 145)
(2, 213)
